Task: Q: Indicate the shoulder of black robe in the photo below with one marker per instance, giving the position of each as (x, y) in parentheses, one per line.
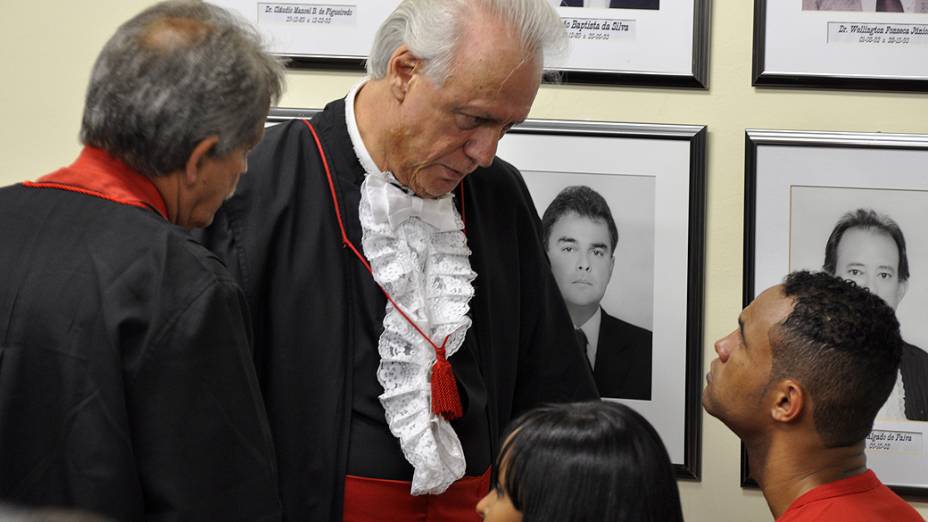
(914, 369)
(281, 239)
(125, 379)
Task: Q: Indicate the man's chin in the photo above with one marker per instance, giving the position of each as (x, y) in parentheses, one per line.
(707, 403)
(584, 300)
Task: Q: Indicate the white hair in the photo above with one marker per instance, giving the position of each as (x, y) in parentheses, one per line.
(431, 29)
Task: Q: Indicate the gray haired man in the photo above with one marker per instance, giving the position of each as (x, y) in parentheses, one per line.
(403, 307)
(126, 381)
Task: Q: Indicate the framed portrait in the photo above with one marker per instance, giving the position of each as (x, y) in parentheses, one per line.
(853, 44)
(658, 42)
(646, 294)
(852, 204)
(651, 179)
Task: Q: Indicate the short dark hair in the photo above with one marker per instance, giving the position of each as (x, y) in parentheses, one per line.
(587, 461)
(583, 201)
(870, 219)
(173, 75)
(842, 343)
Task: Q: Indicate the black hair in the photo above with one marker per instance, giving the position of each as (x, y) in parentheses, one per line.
(842, 343)
(583, 201)
(587, 462)
(868, 219)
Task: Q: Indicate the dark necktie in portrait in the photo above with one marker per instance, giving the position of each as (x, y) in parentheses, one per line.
(624, 4)
(582, 342)
(889, 6)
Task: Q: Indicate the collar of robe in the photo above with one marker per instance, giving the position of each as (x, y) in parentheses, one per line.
(96, 173)
(393, 204)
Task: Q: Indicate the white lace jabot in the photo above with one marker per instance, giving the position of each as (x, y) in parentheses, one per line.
(418, 253)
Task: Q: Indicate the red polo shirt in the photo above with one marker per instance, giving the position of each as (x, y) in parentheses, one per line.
(861, 498)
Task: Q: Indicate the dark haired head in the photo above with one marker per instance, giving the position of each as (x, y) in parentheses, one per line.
(843, 344)
(589, 461)
(868, 219)
(583, 201)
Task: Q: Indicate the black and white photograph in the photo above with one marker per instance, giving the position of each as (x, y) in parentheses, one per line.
(867, 6)
(875, 238)
(852, 205)
(841, 44)
(623, 218)
(603, 262)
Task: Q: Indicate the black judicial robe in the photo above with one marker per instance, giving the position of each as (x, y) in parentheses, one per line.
(318, 315)
(126, 381)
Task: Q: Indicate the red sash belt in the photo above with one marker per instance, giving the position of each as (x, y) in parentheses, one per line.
(368, 499)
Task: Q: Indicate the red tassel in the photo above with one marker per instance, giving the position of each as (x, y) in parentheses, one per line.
(445, 399)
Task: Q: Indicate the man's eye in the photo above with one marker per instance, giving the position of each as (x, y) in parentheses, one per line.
(467, 122)
(567, 249)
(854, 272)
(599, 252)
(885, 275)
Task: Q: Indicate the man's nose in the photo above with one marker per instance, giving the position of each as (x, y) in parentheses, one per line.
(583, 262)
(481, 147)
(721, 348)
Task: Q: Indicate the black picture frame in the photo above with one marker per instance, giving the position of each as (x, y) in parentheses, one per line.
(807, 175)
(761, 76)
(697, 77)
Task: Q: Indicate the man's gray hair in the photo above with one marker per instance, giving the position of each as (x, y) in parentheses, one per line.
(172, 76)
(432, 30)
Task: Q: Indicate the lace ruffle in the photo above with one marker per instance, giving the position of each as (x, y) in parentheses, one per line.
(428, 273)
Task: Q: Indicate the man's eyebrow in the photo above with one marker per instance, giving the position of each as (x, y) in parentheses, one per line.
(600, 245)
(483, 114)
(478, 113)
(566, 239)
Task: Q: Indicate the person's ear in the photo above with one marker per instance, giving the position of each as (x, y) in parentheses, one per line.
(195, 161)
(788, 401)
(900, 292)
(401, 69)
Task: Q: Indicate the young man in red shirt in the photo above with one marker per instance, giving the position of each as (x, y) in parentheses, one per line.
(800, 381)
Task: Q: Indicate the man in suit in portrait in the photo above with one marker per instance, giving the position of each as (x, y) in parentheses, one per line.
(580, 236)
(879, 6)
(623, 4)
(869, 249)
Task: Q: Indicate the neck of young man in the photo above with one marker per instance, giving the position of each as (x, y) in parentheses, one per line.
(788, 466)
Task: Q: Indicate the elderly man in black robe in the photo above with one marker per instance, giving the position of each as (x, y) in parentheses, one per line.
(126, 381)
(403, 305)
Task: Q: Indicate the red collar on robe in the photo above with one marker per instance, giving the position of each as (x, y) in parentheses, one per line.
(96, 173)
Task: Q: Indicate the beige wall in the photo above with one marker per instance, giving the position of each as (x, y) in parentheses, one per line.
(48, 48)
